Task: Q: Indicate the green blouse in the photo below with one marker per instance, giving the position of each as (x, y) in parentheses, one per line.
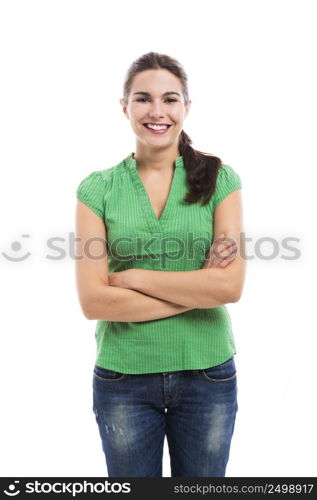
(178, 241)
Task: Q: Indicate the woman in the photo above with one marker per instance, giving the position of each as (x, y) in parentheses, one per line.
(148, 273)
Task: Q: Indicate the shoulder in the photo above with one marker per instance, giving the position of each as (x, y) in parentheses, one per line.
(92, 179)
(227, 174)
(108, 174)
(228, 180)
(100, 179)
(95, 187)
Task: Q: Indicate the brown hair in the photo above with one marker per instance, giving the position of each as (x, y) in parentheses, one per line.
(202, 168)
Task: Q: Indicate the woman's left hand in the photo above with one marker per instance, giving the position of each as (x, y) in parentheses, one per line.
(122, 279)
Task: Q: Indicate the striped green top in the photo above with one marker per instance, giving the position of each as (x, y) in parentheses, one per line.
(178, 241)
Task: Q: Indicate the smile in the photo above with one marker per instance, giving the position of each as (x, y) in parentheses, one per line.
(156, 128)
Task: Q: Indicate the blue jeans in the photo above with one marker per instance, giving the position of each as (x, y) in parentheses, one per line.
(195, 409)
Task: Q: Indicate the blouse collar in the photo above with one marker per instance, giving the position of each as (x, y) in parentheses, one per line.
(130, 161)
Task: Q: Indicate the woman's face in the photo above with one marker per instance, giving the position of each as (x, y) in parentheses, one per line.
(148, 104)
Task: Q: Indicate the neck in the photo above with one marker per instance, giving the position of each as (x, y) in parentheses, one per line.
(158, 161)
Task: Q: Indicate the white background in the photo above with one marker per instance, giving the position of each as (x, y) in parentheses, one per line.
(252, 81)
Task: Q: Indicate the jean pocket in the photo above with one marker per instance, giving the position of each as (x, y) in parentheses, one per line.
(106, 375)
(225, 372)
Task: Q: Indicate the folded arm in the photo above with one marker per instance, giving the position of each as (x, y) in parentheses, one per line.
(97, 299)
(111, 303)
(203, 288)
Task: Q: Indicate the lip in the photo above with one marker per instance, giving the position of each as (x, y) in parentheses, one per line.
(157, 132)
(156, 123)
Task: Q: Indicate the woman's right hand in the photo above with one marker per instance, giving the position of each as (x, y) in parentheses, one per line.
(221, 253)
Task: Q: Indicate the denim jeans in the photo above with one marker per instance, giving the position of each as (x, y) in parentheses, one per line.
(195, 409)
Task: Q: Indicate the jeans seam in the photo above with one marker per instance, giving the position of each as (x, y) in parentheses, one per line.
(219, 379)
(110, 379)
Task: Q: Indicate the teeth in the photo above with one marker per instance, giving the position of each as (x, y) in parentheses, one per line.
(156, 127)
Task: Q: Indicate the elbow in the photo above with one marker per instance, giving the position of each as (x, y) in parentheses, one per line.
(98, 305)
(86, 307)
(231, 294)
(86, 310)
(233, 285)
(235, 298)
(231, 291)
(91, 309)
(234, 294)
(88, 314)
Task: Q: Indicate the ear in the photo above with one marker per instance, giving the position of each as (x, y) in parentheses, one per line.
(124, 107)
(187, 107)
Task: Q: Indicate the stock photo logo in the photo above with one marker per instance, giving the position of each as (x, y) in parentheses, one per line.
(159, 248)
(15, 247)
(12, 490)
(70, 488)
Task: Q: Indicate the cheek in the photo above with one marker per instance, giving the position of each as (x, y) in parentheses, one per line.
(177, 116)
(134, 114)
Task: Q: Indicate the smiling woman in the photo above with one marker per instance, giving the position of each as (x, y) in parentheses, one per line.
(165, 347)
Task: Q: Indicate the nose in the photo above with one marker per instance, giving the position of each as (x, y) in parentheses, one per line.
(156, 110)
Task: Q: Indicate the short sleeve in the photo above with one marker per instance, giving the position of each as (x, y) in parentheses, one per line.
(91, 191)
(227, 181)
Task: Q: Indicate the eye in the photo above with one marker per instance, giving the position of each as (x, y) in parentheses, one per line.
(143, 99)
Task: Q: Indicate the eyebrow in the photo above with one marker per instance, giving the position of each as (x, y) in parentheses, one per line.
(165, 93)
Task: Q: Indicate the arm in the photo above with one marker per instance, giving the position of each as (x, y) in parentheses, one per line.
(204, 288)
(119, 304)
(97, 299)
(129, 305)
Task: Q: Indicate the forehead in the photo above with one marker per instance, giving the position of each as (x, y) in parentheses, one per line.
(156, 81)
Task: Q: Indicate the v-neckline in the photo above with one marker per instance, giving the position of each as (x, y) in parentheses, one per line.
(155, 222)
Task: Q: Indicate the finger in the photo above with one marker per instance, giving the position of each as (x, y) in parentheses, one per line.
(218, 244)
(219, 251)
(229, 251)
(219, 247)
(225, 252)
(227, 261)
